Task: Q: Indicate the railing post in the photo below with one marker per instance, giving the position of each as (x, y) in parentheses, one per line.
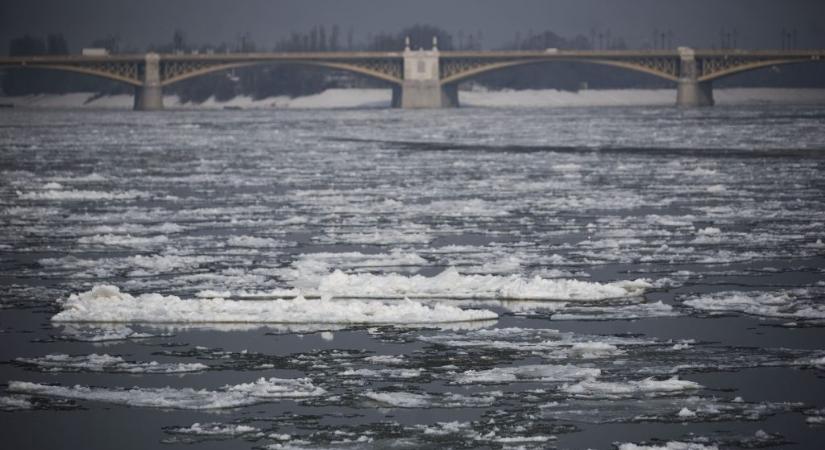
(149, 96)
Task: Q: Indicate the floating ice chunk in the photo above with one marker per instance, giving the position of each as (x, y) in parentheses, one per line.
(379, 237)
(569, 167)
(113, 333)
(789, 304)
(708, 235)
(592, 350)
(445, 428)
(230, 396)
(446, 400)
(106, 303)
(516, 439)
(213, 429)
(209, 293)
(307, 271)
(386, 359)
(254, 242)
(709, 231)
(646, 387)
(686, 413)
(672, 445)
(122, 228)
(52, 185)
(15, 403)
(383, 373)
(156, 264)
(327, 336)
(106, 363)
(660, 409)
(74, 194)
(543, 373)
(618, 312)
(546, 342)
(123, 240)
(451, 284)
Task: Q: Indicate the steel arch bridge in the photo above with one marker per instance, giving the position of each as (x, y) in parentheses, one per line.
(422, 78)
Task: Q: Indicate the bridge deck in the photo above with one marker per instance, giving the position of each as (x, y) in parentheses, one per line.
(351, 56)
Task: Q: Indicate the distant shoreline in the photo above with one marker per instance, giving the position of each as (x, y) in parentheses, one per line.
(380, 98)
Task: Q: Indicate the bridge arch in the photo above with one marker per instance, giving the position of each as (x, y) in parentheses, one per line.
(91, 71)
(651, 69)
(736, 69)
(347, 67)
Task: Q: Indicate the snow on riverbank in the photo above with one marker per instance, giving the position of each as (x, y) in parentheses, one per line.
(380, 98)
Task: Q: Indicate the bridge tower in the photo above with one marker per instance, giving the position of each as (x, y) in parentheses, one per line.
(690, 91)
(149, 96)
(422, 86)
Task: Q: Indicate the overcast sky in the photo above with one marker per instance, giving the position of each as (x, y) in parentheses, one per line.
(141, 22)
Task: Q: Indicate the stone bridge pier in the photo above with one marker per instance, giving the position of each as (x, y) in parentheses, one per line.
(690, 92)
(149, 96)
(422, 87)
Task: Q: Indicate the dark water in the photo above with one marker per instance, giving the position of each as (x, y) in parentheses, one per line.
(719, 211)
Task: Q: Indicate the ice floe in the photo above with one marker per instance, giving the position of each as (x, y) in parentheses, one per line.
(670, 445)
(787, 304)
(127, 240)
(549, 343)
(106, 363)
(616, 312)
(73, 332)
(662, 409)
(230, 396)
(648, 387)
(532, 373)
(106, 303)
(15, 403)
(451, 284)
(426, 400)
(382, 374)
(58, 195)
(213, 429)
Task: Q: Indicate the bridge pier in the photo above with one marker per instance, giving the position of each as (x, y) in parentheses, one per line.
(149, 96)
(422, 87)
(690, 92)
(415, 94)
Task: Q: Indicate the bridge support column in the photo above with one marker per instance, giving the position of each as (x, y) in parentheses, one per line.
(691, 92)
(424, 94)
(422, 86)
(149, 97)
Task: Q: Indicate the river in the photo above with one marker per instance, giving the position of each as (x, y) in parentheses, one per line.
(593, 277)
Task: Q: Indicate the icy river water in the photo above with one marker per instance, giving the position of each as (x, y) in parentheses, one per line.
(472, 278)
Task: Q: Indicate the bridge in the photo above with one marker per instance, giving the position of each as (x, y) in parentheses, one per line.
(422, 78)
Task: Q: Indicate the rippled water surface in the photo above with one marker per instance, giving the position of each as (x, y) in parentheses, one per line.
(474, 278)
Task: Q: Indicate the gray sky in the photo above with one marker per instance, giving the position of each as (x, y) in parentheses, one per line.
(140, 22)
